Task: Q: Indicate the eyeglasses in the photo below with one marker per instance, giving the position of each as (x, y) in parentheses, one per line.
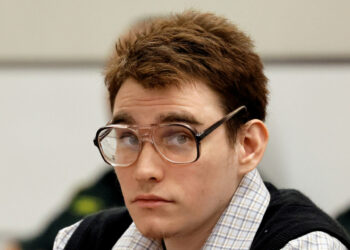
(120, 145)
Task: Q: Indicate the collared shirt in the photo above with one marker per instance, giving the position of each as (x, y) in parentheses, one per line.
(235, 229)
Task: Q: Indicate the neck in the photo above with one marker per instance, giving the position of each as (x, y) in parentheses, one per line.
(194, 238)
(193, 242)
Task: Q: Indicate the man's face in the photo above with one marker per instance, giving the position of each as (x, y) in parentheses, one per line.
(166, 199)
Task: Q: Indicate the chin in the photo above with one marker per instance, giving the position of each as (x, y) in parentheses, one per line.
(153, 233)
(155, 229)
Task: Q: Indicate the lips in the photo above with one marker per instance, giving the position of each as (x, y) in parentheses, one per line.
(150, 201)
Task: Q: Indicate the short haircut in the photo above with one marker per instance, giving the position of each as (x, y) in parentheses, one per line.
(170, 50)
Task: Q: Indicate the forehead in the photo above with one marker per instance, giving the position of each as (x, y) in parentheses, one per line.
(193, 98)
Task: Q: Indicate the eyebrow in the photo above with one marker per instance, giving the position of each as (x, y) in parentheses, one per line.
(178, 117)
(122, 117)
(182, 117)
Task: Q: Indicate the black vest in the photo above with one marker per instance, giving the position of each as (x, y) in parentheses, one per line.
(289, 215)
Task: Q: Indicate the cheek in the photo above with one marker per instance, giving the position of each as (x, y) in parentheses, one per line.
(124, 178)
(215, 174)
(201, 184)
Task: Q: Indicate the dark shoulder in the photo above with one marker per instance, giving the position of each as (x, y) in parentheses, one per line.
(101, 230)
(290, 215)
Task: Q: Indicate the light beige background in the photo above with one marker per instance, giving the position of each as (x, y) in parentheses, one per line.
(86, 29)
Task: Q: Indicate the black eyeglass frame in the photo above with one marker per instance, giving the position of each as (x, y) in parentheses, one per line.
(199, 136)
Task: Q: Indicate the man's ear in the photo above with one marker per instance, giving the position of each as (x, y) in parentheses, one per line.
(251, 143)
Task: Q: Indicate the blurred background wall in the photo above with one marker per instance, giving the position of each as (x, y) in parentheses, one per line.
(52, 96)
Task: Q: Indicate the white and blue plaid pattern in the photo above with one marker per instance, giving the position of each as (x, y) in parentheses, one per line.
(63, 236)
(315, 240)
(235, 229)
(238, 224)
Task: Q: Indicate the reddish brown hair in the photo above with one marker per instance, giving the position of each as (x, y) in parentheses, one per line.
(192, 45)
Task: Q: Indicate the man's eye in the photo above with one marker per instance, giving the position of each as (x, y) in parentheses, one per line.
(128, 139)
(177, 139)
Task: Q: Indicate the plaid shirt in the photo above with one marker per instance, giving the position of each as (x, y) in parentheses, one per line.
(235, 229)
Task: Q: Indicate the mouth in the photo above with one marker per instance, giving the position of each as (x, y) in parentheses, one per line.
(150, 201)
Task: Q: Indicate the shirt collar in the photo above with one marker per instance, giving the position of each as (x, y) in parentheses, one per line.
(236, 227)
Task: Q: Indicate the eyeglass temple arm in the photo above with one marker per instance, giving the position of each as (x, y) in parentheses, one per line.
(221, 121)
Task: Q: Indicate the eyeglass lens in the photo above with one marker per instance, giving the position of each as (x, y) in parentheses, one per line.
(175, 143)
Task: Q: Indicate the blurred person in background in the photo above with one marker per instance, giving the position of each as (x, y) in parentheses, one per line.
(101, 194)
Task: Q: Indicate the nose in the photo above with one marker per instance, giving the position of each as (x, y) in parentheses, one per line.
(149, 165)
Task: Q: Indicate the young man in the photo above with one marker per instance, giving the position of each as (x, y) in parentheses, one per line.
(188, 97)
